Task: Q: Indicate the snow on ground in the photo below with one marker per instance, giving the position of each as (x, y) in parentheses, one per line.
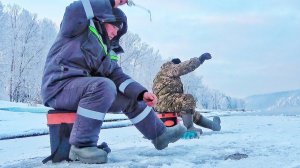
(268, 140)
(16, 124)
(20, 119)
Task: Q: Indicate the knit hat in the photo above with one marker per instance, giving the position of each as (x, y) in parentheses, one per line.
(176, 61)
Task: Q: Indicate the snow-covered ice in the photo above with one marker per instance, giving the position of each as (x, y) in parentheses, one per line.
(267, 140)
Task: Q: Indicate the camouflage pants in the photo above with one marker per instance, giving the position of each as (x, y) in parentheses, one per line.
(179, 103)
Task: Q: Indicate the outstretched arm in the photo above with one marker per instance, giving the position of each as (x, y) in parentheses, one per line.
(176, 70)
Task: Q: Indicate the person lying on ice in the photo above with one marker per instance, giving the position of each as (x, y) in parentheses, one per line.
(80, 73)
(168, 88)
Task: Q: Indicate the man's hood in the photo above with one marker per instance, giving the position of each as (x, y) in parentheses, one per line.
(115, 42)
(75, 20)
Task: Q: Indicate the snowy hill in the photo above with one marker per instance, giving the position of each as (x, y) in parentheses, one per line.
(288, 101)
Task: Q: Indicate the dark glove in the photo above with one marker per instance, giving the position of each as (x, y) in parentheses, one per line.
(205, 56)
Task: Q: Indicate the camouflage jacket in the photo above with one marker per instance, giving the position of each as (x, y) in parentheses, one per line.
(167, 80)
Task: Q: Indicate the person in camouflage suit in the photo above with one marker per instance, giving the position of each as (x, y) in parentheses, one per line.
(168, 88)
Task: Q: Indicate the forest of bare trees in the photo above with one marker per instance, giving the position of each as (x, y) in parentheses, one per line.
(25, 41)
(24, 45)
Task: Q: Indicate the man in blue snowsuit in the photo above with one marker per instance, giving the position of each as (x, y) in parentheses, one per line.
(81, 74)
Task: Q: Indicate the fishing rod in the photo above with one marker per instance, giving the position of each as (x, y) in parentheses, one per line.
(131, 3)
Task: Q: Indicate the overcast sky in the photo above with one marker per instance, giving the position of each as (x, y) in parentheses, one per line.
(255, 44)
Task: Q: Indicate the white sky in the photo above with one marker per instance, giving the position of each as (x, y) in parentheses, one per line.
(254, 44)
